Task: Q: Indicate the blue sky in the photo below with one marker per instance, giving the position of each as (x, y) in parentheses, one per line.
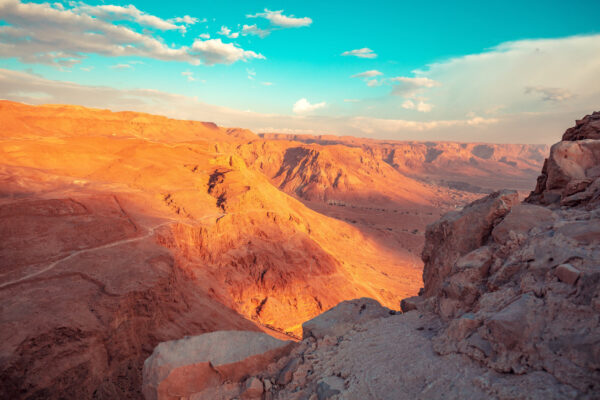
(416, 75)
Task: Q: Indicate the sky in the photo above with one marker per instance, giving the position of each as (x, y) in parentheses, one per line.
(509, 71)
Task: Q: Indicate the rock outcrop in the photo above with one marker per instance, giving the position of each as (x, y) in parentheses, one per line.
(527, 298)
(570, 175)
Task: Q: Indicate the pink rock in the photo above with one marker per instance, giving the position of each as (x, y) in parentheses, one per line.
(342, 317)
(460, 232)
(567, 273)
(253, 389)
(521, 219)
(180, 368)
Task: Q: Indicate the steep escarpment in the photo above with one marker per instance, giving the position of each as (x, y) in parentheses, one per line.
(471, 167)
(356, 186)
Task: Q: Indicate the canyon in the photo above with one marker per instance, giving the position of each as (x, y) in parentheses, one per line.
(120, 231)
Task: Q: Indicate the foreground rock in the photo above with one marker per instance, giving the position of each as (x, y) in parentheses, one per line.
(344, 317)
(184, 367)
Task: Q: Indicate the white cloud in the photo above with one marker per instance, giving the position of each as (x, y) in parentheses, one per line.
(121, 66)
(549, 94)
(302, 106)
(408, 104)
(545, 76)
(420, 106)
(351, 100)
(225, 31)
(255, 30)
(214, 51)
(423, 107)
(189, 75)
(251, 73)
(204, 36)
(278, 19)
(374, 82)
(186, 19)
(408, 87)
(361, 53)
(368, 74)
(267, 83)
(42, 33)
(108, 12)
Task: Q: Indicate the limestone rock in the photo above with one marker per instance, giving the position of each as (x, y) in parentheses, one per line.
(342, 317)
(586, 128)
(567, 273)
(572, 165)
(458, 233)
(329, 386)
(520, 220)
(253, 389)
(182, 367)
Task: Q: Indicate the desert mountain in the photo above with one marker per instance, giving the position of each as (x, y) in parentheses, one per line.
(510, 308)
(123, 230)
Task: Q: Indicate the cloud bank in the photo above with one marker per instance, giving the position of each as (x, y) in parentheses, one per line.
(50, 34)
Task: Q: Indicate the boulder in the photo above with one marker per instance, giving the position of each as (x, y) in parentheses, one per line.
(521, 219)
(329, 387)
(411, 303)
(343, 317)
(253, 389)
(567, 273)
(180, 368)
(460, 232)
(572, 161)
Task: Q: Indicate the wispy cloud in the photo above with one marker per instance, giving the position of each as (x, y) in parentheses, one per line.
(121, 66)
(361, 53)
(277, 18)
(407, 86)
(113, 12)
(368, 74)
(189, 75)
(255, 30)
(420, 106)
(549, 94)
(225, 31)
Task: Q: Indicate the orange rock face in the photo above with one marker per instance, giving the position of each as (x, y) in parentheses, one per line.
(122, 230)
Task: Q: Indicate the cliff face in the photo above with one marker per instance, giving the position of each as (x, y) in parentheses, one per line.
(474, 167)
(510, 306)
(520, 289)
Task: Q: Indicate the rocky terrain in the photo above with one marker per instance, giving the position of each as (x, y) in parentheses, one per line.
(119, 231)
(510, 308)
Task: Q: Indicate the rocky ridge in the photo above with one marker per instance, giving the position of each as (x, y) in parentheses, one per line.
(510, 306)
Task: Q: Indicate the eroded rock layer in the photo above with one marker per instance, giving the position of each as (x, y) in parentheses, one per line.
(510, 306)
